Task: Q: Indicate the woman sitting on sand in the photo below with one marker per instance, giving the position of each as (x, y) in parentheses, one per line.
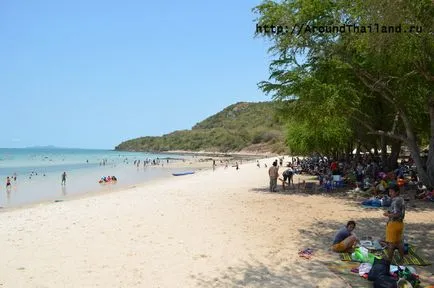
(379, 187)
(345, 238)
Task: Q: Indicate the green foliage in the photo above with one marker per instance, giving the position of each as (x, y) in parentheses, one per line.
(237, 127)
(354, 85)
(329, 135)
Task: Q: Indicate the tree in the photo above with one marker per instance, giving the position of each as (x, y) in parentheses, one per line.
(346, 72)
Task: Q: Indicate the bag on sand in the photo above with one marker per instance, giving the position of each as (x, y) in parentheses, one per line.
(362, 255)
(380, 274)
(385, 281)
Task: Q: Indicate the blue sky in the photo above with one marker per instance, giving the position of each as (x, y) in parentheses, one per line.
(91, 74)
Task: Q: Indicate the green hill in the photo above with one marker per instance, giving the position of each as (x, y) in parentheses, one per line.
(244, 126)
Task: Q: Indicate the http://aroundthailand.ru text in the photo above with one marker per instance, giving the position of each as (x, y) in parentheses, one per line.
(298, 29)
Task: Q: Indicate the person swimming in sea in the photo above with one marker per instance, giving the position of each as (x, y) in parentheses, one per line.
(8, 183)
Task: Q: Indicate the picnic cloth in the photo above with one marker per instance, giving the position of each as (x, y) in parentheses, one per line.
(411, 258)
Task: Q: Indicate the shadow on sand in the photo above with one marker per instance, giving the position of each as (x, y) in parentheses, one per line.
(257, 275)
(319, 236)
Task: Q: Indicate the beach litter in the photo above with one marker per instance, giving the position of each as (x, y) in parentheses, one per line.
(306, 253)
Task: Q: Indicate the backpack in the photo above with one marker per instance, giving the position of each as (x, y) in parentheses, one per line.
(385, 281)
(380, 274)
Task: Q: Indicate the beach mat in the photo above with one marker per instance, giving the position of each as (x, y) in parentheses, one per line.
(412, 258)
(343, 271)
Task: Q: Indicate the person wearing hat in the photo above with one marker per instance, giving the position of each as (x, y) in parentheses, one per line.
(395, 224)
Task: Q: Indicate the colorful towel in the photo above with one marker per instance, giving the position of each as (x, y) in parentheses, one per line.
(412, 258)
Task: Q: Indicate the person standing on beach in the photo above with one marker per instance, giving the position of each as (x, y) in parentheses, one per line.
(64, 178)
(273, 172)
(395, 224)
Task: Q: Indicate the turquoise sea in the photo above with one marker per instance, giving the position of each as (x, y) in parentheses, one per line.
(38, 172)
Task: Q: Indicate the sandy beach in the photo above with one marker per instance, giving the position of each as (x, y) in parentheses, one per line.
(217, 228)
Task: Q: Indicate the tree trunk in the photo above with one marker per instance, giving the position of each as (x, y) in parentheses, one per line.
(415, 151)
(430, 160)
(349, 151)
(410, 140)
(358, 151)
(393, 157)
(383, 152)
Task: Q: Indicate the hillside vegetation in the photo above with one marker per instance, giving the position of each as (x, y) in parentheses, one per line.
(245, 127)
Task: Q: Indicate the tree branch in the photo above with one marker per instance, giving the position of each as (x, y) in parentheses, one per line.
(384, 91)
(367, 126)
(390, 135)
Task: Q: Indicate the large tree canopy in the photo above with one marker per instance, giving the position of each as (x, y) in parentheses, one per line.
(374, 87)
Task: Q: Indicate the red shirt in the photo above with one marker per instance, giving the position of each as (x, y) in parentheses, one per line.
(334, 166)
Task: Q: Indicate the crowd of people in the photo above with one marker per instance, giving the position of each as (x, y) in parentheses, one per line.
(368, 175)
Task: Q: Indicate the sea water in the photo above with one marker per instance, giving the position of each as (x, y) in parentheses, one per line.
(38, 172)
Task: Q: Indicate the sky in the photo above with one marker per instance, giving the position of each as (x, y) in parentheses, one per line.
(91, 74)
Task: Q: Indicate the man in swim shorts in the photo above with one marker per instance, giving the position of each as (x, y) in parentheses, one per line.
(345, 238)
(395, 225)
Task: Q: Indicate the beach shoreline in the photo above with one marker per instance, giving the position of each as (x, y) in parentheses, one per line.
(200, 163)
(218, 228)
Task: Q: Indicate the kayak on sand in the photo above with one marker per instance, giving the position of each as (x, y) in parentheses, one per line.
(183, 173)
